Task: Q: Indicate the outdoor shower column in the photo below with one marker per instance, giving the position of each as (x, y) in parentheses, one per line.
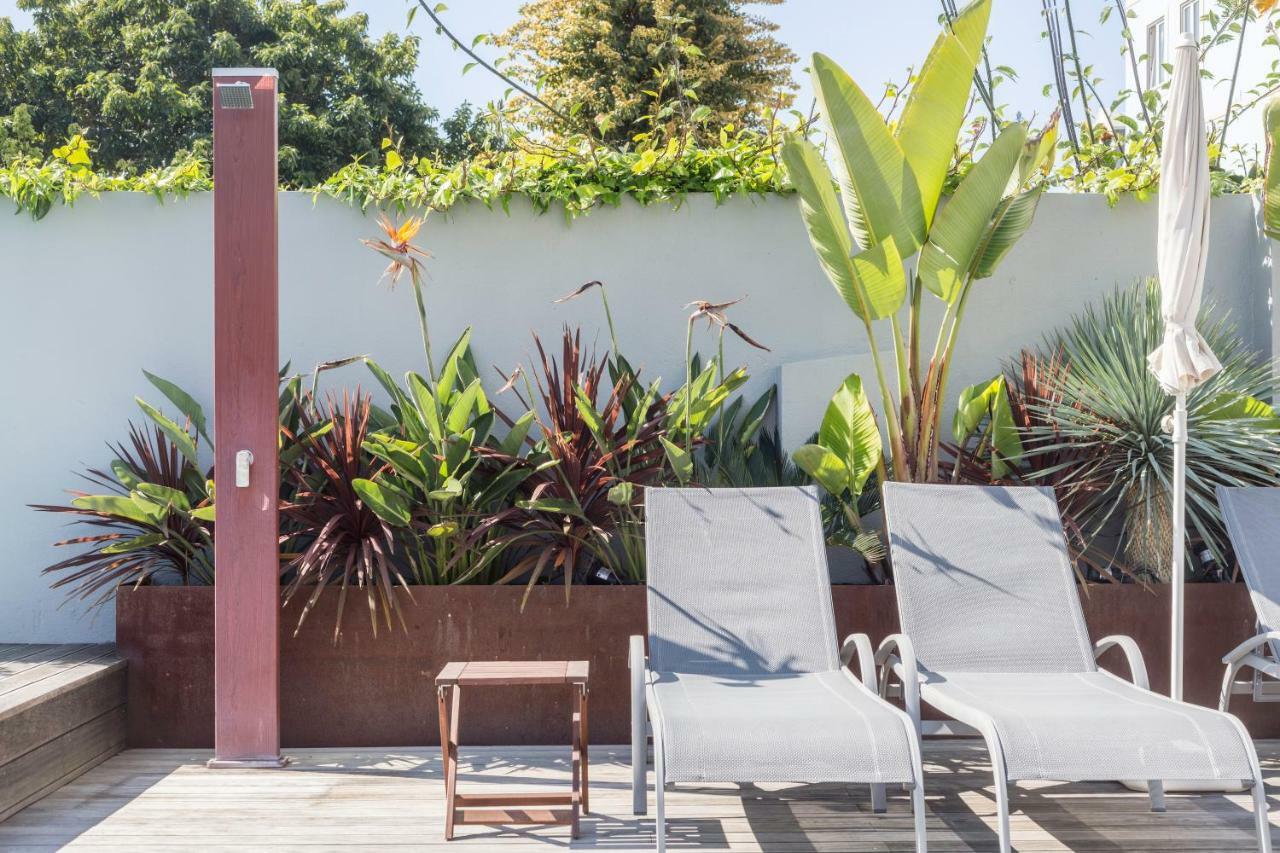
(246, 359)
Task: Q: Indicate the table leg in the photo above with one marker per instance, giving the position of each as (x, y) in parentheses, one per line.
(449, 751)
(576, 762)
(586, 760)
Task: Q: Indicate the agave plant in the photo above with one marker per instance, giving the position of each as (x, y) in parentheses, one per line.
(155, 518)
(1097, 431)
(335, 537)
(580, 499)
(891, 180)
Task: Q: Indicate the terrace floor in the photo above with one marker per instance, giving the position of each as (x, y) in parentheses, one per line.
(343, 799)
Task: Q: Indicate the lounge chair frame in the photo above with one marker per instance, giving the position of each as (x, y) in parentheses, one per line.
(646, 725)
(900, 677)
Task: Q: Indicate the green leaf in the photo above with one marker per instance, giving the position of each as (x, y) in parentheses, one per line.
(180, 437)
(823, 219)
(123, 546)
(824, 466)
(442, 528)
(681, 461)
(1231, 406)
(451, 489)
(385, 503)
(559, 506)
(514, 439)
(622, 494)
(163, 496)
(587, 411)
(1271, 188)
(425, 402)
(935, 107)
(205, 513)
(388, 384)
(1006, 443)
(881, 196)
(460, 413)
(120, 506)
(880, 277)
(1012, 219)
(125, 474)
(972, 407)
(184, 401)
(946, 261)
(849, 430)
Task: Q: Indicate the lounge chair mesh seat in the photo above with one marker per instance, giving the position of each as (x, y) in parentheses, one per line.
(987, 596)
(746, 681)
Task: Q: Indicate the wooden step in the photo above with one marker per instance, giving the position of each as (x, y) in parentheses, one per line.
(62, 711)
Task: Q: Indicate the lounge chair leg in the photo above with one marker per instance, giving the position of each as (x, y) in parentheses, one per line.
(1001, 782)
(1155, 788)
(1260, 815)
(879, 802)
(917, 812)
(639, 738)
(659, 787)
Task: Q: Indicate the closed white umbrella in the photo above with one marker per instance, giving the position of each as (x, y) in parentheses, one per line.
(1183, 360)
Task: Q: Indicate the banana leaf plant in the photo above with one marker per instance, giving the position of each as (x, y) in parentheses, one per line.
(888, 210)
(580, 500)
(984, 410)
(846, 454)
(436, 485)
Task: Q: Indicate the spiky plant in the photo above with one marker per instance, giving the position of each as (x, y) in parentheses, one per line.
(154, 520)
(336, 537)
(1097, 430)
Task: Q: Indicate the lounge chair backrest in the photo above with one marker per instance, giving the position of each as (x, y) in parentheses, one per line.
(738, 582)
(1252, 515)
(984, 580)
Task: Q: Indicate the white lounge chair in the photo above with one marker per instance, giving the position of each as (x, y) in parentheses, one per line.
(994, 637)
(744, 681)
(1253, 521)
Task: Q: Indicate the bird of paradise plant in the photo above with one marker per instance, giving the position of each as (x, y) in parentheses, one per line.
(403, 256)
(891, 180)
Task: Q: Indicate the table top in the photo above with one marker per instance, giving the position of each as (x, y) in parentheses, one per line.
(496, 673)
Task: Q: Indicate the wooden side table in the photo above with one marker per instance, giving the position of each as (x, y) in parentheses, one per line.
(495, 809)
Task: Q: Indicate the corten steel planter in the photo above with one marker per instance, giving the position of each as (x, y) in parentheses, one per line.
(379, 692)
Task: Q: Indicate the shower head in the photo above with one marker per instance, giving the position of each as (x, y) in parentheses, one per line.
(235, 96)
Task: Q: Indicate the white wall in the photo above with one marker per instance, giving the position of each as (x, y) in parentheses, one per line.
(92, 295)
(1256, 62)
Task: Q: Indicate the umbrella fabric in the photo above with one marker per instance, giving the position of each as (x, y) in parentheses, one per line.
(1183, 360)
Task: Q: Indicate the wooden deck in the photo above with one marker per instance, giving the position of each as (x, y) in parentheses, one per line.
(61, 712)
(330, 799)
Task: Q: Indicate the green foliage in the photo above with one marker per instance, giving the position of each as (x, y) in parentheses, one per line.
(133, 75)
(626, 71)
(891, 176)
(153, 523)
(1101, 430)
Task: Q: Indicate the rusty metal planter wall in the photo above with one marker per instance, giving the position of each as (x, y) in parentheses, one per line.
(369, 691)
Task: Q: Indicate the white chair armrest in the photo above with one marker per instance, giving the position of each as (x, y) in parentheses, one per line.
(896, 654)
(859, 645)
(1133, 654)
(1249, 646)
(636, 658)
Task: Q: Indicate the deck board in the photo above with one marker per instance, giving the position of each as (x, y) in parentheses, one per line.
(351, 799)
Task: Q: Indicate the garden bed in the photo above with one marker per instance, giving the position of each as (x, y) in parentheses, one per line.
(368, 691)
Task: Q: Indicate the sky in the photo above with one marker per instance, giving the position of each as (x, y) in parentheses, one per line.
(875, 40)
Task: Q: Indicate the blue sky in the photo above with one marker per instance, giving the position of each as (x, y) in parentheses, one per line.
(874, 39)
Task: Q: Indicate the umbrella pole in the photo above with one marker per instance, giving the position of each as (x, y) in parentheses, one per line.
(1178, 569)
